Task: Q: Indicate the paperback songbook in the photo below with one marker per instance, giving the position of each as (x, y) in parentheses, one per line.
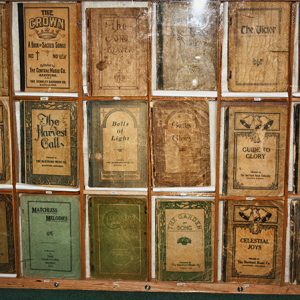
(185, 230)
(118, 237)
(255, 150)
(258, 48)
(186, 45)
(5, 170)
(7, 252)
(181, 144)
(253, 241)
(117, 133)
(48, 47)
(295, 242)
(117, 51)
(49, 143)
(3, 51)
(50, 236)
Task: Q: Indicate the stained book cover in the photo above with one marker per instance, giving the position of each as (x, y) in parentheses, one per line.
(295, 242)
(3, 51)
(258, 46)
(117, 51)
(181, 144)
(253, 241)
(255, 150)
(185, 230)
(186, 45)
(118, 237)
(117, 133)
(49, 143)
(5, 170)
(50, 236)
(7, 253)
(48, 47)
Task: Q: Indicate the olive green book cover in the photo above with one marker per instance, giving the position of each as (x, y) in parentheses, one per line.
(185, 231)
(117, 134)
(118, 237)
(50, 236)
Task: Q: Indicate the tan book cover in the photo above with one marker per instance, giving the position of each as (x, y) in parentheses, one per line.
(258, 47)
(3, 51)
(255, 150)
(186, 45)
(253, 241)
(117, 51)
(181, 144)
(49, 42)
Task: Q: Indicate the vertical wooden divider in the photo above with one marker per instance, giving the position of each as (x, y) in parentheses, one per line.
(80, 140)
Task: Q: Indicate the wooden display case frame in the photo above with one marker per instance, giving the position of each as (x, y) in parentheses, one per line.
(151, 285)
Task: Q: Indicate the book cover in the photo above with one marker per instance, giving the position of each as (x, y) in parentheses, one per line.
(50, 236)
(253, 241)
(117, 51)
(7, 252)
(181, 144)
(296, 148)
(3, 51)
(117, 133)
(187, 45)
(255, 157)
(49, 143)
(118, 237)
(48, 47)
(258, 47)
(185, 230)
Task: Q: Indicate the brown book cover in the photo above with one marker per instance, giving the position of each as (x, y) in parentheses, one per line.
(48, 47)
(186, 45)
(117, 51)
(181, 145)
(3, 51)
(117, 133)
(5, 170)
(255, 150)
(258, 47)
(253, 241)
(7, 252)
(49, 143)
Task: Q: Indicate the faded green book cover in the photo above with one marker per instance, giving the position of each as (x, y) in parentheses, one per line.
(50, 236)
(185, 230)
(118, 237)
(117, 133)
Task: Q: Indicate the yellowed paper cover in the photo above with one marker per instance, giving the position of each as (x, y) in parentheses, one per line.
(3, 52)
(258, 46)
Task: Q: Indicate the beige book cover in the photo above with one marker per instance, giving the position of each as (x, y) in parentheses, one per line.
(117, 51)
(253, 241)
(258, 56)
(49, 43)
(255, 150)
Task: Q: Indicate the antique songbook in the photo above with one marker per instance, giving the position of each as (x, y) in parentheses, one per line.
(185, 230)
(48, 47)
(49, 143)
(3, 51)
(7, 253)
(295, 242)
(253, 241)
(186, 45)
(118, 237)
(117, 133)
(50, 236)
(181, 144)
(117, 51)
(255, 149)
(258, 46)
(4, 143)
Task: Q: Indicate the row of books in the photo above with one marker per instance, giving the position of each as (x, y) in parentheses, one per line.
(182, 231)
(116, 42)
